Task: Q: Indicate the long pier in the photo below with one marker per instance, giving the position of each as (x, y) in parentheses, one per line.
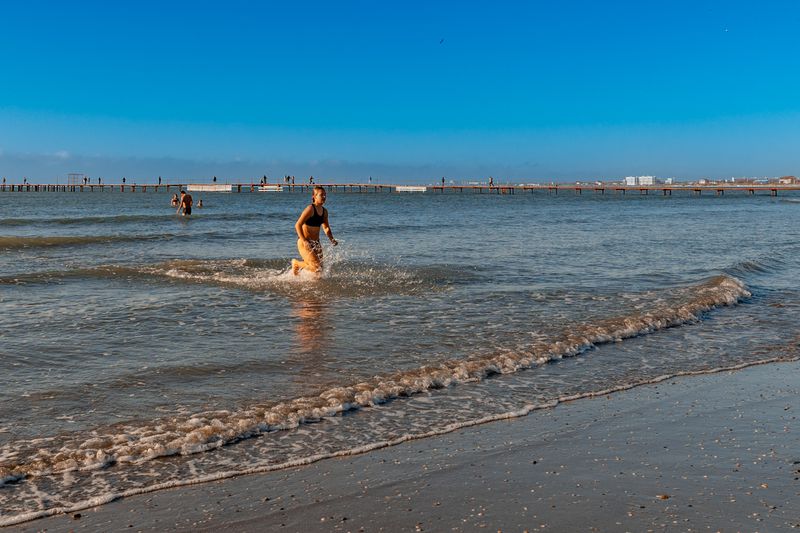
(665, 190)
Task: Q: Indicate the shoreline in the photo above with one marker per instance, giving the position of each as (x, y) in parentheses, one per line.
(669, 454)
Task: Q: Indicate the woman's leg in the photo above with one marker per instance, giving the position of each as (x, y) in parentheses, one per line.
(312, 259)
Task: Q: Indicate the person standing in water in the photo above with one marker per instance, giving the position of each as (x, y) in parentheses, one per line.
(313, 217)
(185, 204)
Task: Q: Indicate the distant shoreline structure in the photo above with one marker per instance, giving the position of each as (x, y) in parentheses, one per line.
(577, 189)
(226, 184)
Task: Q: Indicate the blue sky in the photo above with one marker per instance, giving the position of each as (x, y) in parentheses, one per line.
(402, 91)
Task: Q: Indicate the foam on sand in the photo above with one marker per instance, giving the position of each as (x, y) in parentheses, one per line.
(210, 430)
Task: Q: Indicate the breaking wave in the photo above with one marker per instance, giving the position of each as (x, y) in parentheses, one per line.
(341, 277)
(200, 432)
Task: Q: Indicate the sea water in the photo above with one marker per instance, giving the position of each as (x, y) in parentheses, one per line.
(141, 350)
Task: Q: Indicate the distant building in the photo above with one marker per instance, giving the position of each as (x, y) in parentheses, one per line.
(668, 181)
(788, 180)
(640, 180)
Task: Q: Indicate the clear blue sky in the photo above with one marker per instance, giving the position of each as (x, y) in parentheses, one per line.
(400, 91)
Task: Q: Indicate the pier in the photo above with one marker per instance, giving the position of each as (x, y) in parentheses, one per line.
(664, 190)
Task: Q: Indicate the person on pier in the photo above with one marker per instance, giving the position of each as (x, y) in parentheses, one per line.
(308, 225)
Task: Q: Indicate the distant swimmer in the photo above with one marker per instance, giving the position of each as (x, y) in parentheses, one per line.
(200, 203)
(313, 217)
(175, 200)
(185, 204)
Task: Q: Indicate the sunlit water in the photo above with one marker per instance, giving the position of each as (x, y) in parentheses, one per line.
(141, 350)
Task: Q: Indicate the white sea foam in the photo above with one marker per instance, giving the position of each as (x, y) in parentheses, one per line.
(201, 432)
(448, 428)
(340, 277)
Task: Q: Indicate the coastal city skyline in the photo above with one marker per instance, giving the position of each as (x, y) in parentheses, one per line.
(524, 92)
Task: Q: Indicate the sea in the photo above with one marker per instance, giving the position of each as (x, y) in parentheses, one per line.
(140, 350)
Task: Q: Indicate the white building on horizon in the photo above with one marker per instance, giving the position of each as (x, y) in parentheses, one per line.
(640, 180)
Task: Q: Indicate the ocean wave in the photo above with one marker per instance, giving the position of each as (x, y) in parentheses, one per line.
(756, 266)
(185, 435)
(134, 218)
(17, 243)
(342, 277)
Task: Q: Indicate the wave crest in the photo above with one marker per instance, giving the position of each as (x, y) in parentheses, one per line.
(17, 243)
(210, 430)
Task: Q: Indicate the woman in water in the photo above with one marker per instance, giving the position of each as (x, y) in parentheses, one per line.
(313, 217)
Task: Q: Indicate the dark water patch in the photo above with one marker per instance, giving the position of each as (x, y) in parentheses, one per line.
(24, 278)
(402, 227)
(763, 265)
(199, 214)
(18, 243)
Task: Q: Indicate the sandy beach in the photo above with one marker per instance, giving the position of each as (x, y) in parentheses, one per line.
(715, 452)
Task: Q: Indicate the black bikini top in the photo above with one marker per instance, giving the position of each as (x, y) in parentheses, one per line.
(315, 220)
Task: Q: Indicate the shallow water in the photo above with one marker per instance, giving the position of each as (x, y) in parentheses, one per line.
(142, 350)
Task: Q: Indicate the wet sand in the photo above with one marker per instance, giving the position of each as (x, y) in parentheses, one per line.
(718, 452)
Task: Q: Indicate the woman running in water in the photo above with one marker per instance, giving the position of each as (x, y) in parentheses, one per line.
(313, 217)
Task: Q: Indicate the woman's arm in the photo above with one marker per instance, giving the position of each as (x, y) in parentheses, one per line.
(327, 228)
(298, 226)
